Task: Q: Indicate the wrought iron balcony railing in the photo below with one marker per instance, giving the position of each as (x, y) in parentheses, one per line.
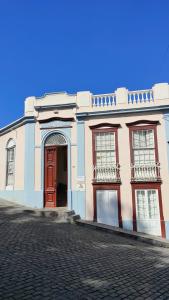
(109, 173)
(146, 172)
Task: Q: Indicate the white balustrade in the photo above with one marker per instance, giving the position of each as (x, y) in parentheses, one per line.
(103, 100)
(145, 172)
(109, 173)
(134, 97)
(140, 96)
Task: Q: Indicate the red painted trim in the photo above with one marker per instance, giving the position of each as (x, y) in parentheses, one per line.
(104, 125)
(163, 232)
(108, 186)
(66, 147)
(137, 128)
(148, 186)
(142, 122)
(55, 179)
(156, 144)
(46, 204)
(94, 131)
(134, 210)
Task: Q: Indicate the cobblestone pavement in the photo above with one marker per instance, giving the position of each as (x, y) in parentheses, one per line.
(40, 259)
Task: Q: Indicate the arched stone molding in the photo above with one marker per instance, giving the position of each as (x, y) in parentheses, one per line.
(68, 143)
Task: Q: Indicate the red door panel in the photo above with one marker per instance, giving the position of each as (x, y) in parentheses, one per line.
(50, 176)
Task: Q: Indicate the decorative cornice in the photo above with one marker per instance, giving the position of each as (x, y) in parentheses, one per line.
(105, 125)
(20, 122)
(56, 106)
(161, 108)
(149, 122)
(56, 119)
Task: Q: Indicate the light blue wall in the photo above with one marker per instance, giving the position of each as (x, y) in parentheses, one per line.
(167, 229)
(127, 224)
(79, 197)
(81, 149)
(32, 198)
(78, 203)
(29, 174)
(14, 196)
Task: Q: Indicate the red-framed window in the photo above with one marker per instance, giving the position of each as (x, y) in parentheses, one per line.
(142, 203)
(143, 143)
(144, 152)
(105, 153)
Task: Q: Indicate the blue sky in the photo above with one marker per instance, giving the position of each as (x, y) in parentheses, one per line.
(75, 45)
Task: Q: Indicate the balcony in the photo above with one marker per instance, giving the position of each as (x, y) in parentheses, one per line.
(143, 173)
(109, 173)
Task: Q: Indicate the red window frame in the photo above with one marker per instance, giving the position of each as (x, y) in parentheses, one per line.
(144, 127)
(147, 186)
(106, 127)
(107, 186)
(102, 130)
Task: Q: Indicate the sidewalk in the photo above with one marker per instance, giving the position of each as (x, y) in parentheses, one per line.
(153, 240)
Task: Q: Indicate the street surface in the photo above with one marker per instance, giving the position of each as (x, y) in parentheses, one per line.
(40, 259)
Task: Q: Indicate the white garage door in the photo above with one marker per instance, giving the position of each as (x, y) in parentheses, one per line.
(107, 207)
(147, 212)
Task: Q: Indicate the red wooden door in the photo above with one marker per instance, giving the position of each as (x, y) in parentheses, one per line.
(50, 176)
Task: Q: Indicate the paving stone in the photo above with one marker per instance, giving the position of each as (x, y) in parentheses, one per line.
(40, 259)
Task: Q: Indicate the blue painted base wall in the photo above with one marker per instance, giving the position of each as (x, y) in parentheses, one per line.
(78, 203)
(35, 199)
(127, 224)
(14, 196)
(167, 229)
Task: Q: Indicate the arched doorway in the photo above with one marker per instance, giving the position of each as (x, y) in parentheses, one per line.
(55, 177)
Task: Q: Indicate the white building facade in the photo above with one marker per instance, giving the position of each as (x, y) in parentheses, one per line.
(104, 156)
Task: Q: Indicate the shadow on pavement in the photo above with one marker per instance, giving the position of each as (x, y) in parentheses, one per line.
(40, 259)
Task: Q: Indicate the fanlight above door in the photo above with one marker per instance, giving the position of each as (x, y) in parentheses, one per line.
(56, 139)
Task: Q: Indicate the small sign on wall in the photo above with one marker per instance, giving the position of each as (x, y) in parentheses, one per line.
(81, 184)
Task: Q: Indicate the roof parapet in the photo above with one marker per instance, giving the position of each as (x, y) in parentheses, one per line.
(122, 98)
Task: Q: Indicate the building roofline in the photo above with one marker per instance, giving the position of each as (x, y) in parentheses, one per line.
(54, 93)
(122, 111)
(17, 123)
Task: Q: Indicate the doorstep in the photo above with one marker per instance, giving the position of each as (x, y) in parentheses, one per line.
(150, 239)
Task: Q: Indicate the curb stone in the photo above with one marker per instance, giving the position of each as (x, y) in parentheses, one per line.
(149, 239)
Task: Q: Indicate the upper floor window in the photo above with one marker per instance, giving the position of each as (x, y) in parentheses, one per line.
(105, 155)
(144, 151)
(105, 152)
(10, 172)
(143, 146)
